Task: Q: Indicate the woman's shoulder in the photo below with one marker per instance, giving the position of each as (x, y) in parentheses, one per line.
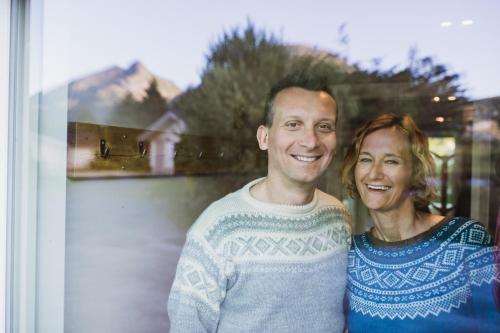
(468, 231)
(448, 235)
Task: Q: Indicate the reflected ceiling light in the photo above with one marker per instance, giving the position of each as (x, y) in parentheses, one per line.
(440, 119)
(467, 22)
(436, 99)
(452, 98)
(446, 24)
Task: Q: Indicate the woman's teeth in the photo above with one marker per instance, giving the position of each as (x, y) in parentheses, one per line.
(378, 187)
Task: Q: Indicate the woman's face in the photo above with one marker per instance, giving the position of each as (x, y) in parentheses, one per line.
(383, 170)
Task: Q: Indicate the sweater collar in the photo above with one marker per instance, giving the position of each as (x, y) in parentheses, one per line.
(278, 208)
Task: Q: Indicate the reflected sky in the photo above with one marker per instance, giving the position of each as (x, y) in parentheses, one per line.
(172, 37)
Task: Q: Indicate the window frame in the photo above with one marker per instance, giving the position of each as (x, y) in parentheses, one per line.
(5, 9)
(34, 205)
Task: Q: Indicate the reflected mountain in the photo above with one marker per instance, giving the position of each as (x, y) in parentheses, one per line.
(132, 97)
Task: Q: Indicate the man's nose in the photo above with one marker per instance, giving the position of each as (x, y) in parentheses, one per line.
(309, 138)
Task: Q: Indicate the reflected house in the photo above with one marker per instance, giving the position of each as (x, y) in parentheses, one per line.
(109, 115)
(481, 119)
(163, 135)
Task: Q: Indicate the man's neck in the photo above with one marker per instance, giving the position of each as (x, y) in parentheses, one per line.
(285, 193)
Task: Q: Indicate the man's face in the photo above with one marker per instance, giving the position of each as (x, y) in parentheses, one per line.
(301, 141)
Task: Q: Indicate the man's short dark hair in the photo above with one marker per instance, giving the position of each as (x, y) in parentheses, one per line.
(304, 80)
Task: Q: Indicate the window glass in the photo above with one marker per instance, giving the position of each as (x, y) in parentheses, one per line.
(163, 101)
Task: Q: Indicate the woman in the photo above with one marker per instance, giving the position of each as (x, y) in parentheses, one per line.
(413, 271)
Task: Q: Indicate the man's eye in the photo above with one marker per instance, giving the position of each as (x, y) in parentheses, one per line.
(325, 127)
(292, 124)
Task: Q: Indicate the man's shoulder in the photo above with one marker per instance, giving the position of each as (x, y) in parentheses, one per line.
(326, 199)
(226, 206)
(339, 209)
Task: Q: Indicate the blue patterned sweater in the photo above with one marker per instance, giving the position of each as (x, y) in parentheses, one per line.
(249, 266)
(439, 281)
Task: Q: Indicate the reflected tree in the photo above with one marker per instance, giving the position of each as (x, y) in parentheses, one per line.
(142, 113)
(243, 63)
(421, 89)
(240, 69)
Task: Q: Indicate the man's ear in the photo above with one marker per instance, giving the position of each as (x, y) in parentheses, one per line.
(262, 137)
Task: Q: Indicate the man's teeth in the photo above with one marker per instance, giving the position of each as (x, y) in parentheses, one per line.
(378, 187)
(306, 158)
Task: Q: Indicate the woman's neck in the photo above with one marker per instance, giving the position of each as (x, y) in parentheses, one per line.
(401, 223)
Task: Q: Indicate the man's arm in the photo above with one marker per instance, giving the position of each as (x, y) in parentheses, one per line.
(198, 289)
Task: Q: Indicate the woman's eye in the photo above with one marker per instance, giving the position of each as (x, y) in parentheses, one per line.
(364, 160)
(392, 162)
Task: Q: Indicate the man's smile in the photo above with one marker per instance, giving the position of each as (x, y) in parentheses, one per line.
(303, 158)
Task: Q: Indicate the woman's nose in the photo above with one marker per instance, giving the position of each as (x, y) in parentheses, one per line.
(376, 171)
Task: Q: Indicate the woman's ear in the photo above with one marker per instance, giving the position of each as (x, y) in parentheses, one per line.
(262, 134)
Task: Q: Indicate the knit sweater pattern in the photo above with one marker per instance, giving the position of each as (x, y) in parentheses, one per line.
(440, 281)
(250, 266)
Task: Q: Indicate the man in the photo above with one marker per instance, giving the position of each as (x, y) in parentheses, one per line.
(271, 257)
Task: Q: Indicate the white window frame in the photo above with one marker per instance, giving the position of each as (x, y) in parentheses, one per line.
(4, 152)
(32, 179)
